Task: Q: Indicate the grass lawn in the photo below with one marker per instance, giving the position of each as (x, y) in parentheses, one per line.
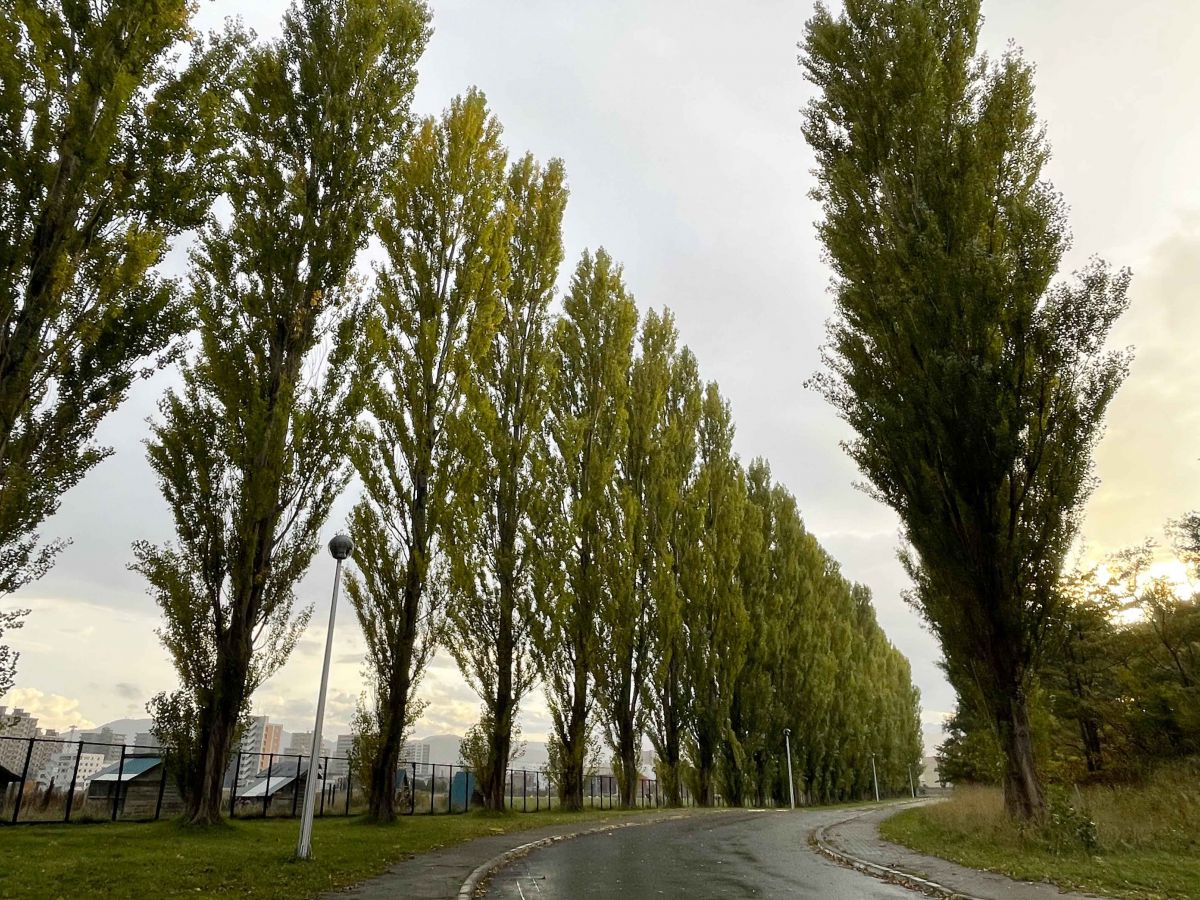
(1147, 838)
(250, 858)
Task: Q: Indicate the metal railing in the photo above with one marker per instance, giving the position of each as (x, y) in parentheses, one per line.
(130, 788)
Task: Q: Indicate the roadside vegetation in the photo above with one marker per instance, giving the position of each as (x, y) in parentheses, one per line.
(1139, 841)
(249, 858)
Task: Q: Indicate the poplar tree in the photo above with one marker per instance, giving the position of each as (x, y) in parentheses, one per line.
(715, 620)
(975, 384)
(635, 555)
(107, 145)
(489, 542)
(249, 451)
(667, 699)
(436, 305)
(586, 430)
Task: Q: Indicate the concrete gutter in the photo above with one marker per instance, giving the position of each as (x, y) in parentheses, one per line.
(885, 873)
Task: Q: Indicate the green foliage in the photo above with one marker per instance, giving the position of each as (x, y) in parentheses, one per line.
(635, 571)
(488, 541)
(108, 141)
(576, 518)
(249, 452)
(975, 385)
(445, 229)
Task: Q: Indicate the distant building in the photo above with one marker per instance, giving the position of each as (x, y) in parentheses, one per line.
(61, 768)
(145, 740)
(274, 789)
(301, 743)
(272, 742)
(16, 728)
(415, 753)
(137, 785)
(255, 747)
(339, 766)
(930, 777)
(104, 741)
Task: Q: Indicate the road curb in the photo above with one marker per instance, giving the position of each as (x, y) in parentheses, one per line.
(483, 872)
(885, 873)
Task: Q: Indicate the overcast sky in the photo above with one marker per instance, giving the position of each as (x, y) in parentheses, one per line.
(679, 125)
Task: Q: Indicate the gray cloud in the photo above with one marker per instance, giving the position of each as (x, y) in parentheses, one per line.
(680, 129)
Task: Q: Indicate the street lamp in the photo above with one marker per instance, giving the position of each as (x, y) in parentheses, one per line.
(340, 549)
(875, 777)
(788, 744)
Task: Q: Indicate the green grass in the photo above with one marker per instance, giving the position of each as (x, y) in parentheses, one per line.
(1147, 836)
(248, 858)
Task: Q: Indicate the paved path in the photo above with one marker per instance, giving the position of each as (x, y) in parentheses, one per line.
(439, 875)
(739, 853)
(695, 854)
(859, 836)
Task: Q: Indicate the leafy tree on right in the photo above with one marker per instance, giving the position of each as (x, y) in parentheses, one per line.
(975, 383)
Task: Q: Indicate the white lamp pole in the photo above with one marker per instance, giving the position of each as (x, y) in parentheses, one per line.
(340, 548)
(875, 777)
(787, 743)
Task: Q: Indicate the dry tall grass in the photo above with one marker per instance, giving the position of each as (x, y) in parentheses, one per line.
(1161, 813)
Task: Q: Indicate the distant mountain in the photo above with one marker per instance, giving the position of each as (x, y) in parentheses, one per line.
(443, 748)
(131, 728)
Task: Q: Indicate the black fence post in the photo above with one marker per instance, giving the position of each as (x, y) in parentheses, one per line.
(24, 775)
(74, 778)
(267, 787)
(432, 785)
(512, 775)
(117, 792)
(296, 786)
(349, 790)
(237, 769)
(524, 790)
(162, 787)
(412, 792)
(537, 791)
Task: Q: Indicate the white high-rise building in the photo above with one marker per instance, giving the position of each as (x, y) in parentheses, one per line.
(61, 767)
(340, 764)
(260, 739)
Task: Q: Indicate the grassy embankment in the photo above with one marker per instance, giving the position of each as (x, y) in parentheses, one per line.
(1131, 841)
(246, 858)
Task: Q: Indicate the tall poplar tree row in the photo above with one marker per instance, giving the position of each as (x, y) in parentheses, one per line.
(488, 540)
(715, 623)
(446, 233)
(634, 562)
(585, 433)
(106, 154)
(249, 453)
(976, 385)
(666, 694)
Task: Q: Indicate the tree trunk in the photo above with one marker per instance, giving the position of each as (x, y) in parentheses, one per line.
(570, 790)
(218, 726)
(672, 738)
(206, 804)
(629, 759)
(1023, 798)
(503, 704)
(381, 800)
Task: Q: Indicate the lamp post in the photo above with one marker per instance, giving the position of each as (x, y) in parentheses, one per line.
(875, 777)
(340, 549)
(787, 743)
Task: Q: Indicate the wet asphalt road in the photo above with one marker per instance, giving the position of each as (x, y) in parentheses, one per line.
(735, 854)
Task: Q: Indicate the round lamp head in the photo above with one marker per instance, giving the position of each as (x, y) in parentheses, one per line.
(786, 732)
(341, 546)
